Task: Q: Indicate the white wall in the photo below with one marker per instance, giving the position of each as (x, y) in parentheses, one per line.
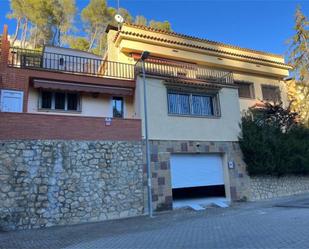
(100, 106)
(165, 127)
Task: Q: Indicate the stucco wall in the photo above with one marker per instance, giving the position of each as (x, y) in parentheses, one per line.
(165, 127)
(258, 81)
(54, 182)
(100, 106)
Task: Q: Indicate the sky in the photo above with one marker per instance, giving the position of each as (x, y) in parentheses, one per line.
(256, 24)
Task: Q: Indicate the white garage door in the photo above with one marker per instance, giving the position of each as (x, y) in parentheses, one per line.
(196, 170)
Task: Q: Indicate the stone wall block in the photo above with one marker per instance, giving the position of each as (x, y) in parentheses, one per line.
(54, 182)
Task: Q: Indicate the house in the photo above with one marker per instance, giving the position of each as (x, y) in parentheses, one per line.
(71, 147)
(91, 110)
(196, 92)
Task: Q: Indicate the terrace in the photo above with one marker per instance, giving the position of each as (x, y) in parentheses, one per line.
(39, 60)
(60, 62)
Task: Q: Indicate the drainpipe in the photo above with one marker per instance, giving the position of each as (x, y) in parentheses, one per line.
(144, 56)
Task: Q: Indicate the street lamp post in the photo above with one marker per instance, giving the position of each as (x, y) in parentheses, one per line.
(144, 56)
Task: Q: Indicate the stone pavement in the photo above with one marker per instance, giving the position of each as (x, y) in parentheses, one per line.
(245, 225)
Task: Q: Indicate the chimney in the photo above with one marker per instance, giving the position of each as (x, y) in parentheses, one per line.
(5, 33)
(4, 48)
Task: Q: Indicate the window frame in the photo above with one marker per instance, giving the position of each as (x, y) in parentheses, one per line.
(214, 98)
(251, 88)
(53, 109)
(273, 87)
(122, 106)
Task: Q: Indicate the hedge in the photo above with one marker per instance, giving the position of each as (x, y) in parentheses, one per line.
(273, 143)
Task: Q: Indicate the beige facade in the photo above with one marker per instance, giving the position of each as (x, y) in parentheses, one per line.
(249, 65)
(90, 105)
(163, 126)
(246, 65)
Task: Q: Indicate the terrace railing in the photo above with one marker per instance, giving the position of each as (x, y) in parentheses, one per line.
(185, 71)
(34, 59)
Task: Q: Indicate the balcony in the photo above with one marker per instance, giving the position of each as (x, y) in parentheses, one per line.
(56, 62)
(186, 71)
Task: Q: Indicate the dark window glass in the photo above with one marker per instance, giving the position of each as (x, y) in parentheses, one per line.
(245, 90)
(202, 105)
(118, 107)
(60, 101)
(179, 103)
(61, 61)
(271, 93)
(189, 104)
(72, 101)
(46, 100)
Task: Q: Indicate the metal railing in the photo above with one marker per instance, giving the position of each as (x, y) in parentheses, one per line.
(34, 59)
(185, 71)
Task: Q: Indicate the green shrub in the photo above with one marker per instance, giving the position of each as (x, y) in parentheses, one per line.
(273, 143)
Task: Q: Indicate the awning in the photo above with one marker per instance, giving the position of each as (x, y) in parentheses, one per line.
(79, 87)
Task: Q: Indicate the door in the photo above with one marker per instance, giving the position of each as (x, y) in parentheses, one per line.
(190, 170)
(11, 101)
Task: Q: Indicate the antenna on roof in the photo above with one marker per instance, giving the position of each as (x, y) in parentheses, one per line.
(119, 19)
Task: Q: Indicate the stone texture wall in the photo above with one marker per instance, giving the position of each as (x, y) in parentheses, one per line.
(271, 187)
(52, 182)
(161, 175)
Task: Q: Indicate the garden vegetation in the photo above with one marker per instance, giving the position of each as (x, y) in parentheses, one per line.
(274, 143)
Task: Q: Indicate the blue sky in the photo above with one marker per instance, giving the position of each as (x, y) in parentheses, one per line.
(257, 24)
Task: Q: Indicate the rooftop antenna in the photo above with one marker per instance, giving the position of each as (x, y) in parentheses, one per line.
(119, 19)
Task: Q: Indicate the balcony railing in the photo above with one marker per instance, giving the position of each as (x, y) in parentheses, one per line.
(33, 59)
(185, 71)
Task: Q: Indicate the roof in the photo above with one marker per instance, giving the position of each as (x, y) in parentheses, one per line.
(203, 44)
(201, 40)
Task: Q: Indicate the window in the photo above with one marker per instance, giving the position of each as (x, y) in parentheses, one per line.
(271, 93)
(117, 107)
(245, 89)
(61, 101)
(192, 104)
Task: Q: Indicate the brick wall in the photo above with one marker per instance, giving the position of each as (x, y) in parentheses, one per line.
(45, 126)
(19, 79)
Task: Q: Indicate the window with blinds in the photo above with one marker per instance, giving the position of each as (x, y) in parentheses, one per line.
(245, 89)
(192, 104)
(271, 93)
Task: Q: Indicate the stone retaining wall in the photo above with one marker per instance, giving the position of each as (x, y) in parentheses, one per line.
(271, 187)
(51, 182)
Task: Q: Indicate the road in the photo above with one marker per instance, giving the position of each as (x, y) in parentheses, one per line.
(244, 225)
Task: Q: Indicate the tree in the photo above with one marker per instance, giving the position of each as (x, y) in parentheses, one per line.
(140, 20)
(42, 21)
(19, 10)
(79, 42)
(95, 16)
(273, 142)
(62, 14)
(299, 59)
(160, 25)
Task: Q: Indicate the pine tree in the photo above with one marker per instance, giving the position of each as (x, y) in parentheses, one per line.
(299, 59)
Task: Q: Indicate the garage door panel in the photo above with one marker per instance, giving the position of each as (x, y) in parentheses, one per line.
(196, 170)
